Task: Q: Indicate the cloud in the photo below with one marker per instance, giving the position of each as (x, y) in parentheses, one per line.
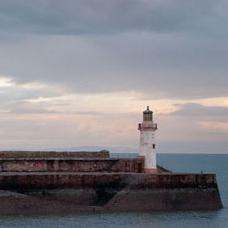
(162, 66)
(193, 128)
(164, 49)
(93, 17)
(28, 108)
(218, 127)
(14, 96)
(201, 111)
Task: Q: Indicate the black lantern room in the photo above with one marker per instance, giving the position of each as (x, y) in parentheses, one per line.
(148, 115)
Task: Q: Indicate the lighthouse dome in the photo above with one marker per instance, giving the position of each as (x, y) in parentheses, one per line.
(148, 110)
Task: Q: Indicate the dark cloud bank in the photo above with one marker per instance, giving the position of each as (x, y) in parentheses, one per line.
(101, 16)
(164, 49)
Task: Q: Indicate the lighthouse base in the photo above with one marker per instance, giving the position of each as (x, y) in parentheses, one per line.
(153, 170)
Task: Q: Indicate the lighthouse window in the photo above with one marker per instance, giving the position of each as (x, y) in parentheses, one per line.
(153, 146)
(147, 117)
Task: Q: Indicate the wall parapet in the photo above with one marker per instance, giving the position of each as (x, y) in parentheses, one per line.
(135, 165)
(55, 154)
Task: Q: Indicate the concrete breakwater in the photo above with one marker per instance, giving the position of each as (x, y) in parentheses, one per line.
(98, 184)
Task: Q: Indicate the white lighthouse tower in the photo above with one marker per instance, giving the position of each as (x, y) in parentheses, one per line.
(147, 141)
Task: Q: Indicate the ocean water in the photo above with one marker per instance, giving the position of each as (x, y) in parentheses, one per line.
(178, 162)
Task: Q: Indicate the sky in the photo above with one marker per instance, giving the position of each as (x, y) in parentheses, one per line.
(77, 73)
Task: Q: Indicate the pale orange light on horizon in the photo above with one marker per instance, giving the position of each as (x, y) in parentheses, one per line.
(214, 126)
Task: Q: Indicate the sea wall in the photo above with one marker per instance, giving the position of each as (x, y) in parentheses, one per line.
(71, 165)
(69, 192)
(67, 182)
(108, 180)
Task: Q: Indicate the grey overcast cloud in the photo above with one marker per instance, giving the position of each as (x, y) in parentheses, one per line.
(80, 72)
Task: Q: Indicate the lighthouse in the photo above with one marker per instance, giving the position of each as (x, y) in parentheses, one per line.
(147, 141)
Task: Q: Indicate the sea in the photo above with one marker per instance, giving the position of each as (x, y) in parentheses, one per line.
(212, 163)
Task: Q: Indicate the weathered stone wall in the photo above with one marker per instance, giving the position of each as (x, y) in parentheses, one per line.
(108, 180)
(71, 192)
(71, 165)
(54, 154)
